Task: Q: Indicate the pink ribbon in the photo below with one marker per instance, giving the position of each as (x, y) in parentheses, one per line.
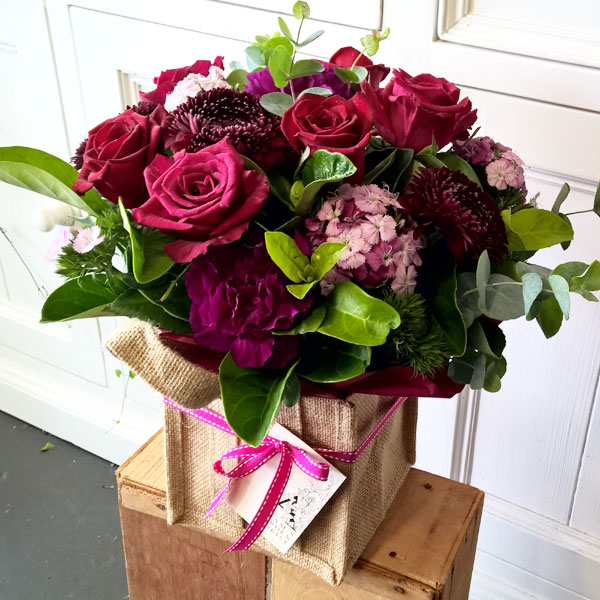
(250, 459)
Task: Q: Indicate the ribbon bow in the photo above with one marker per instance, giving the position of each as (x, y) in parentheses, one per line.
(252, 459)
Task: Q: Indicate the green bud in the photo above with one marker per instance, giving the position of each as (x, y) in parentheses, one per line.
(301, 10)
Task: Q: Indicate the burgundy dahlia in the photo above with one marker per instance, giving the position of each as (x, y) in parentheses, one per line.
(238, 298)
(222, 113)
(77, 158)
(467, 216)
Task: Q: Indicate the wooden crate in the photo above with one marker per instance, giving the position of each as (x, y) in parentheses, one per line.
(424, 550)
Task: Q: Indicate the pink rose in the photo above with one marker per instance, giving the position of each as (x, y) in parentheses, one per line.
(116, 153)
(203, 199)
(410, 111)
(167, 80)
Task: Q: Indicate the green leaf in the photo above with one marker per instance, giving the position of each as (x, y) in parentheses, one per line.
(550, 317)
(287, 256)
(596, 208)
(251, 398)
(317, 91)
(325, 257)
(453, 161)
(311, 38)
(590, 280)
(277, 41)
(337, 361)
(354, 75)
(150, 261)
(560, 287)
(234, 65)
(285, 29)
(301, 10)
(238, 78)
(357, 318)
(255, 57)
(532, 286)
(48, 175)
(177, 303)
(370, 43)
(322, 167)
(135, 305)
(47, 446)
(276, 102)
(280, 186)
(309, 325)
(431, 162)
(291, 392)
(280, 63)
(78, 299)
(482, 276)
(118, 372)
(536, 228)
(446, 311)
(466, 301)
(487, 337)
(562, 196)
(299, 290)
(304, 68)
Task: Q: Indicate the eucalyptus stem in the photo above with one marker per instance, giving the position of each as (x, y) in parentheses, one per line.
(579, 212)
(293, 59)
(358, 58)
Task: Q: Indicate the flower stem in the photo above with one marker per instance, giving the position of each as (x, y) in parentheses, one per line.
(579, 212)
(357, 59)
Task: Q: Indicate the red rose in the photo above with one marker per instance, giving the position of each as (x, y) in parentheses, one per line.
(204, 199)
(167, 80)
(331, 123)
(346, 56)
(116, 153)
(409, 111)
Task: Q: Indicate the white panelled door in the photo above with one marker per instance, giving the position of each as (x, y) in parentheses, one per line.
(531, 68)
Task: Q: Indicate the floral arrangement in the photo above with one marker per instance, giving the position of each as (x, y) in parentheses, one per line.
(307, 222)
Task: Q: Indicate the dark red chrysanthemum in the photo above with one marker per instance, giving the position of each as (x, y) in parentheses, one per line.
(77, 158)
(211, 116)
(467, 216)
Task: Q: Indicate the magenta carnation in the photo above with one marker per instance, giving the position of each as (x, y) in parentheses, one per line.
(238, 299)
(468, 217)
(261, 83)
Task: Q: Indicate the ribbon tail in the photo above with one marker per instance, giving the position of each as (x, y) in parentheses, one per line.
(268, 506)
(217, 500)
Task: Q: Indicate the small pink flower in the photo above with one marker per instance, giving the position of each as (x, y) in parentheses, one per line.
(405, 280)
(353, 256)
(331, 279)
(378, 227)
(498, 172)
(57, 244)
(409, 252)
(381, 259)
(510, 155)
(371, 199)
(87, 239)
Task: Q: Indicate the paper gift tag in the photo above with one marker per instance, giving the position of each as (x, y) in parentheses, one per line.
(300, 503)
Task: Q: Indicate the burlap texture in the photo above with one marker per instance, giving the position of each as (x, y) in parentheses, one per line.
(336, 538)
(137, 344)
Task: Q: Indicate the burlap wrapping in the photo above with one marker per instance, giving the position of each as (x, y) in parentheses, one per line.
(336, 538)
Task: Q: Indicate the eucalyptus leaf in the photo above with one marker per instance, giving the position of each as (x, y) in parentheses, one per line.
(311, 38)
(287, 256)
(255, 57)
(532, 286)
(285, 29)
(322, 167)
(304, 68)
(317, 91)
(234, 65)
(560, 287)
(79, 298)
(280, 64)
(467, 302)
(354, 75)
(482, 276)
(590, 279)
(550, 317)
(150, 261)
(252, 398)
(562, 196)
(337, 361)
(596, 208)
(276, 102)
(238, 79)
(355, 317)
(565, 218)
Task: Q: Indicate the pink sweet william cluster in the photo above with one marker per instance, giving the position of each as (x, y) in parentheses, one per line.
(382, 243)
